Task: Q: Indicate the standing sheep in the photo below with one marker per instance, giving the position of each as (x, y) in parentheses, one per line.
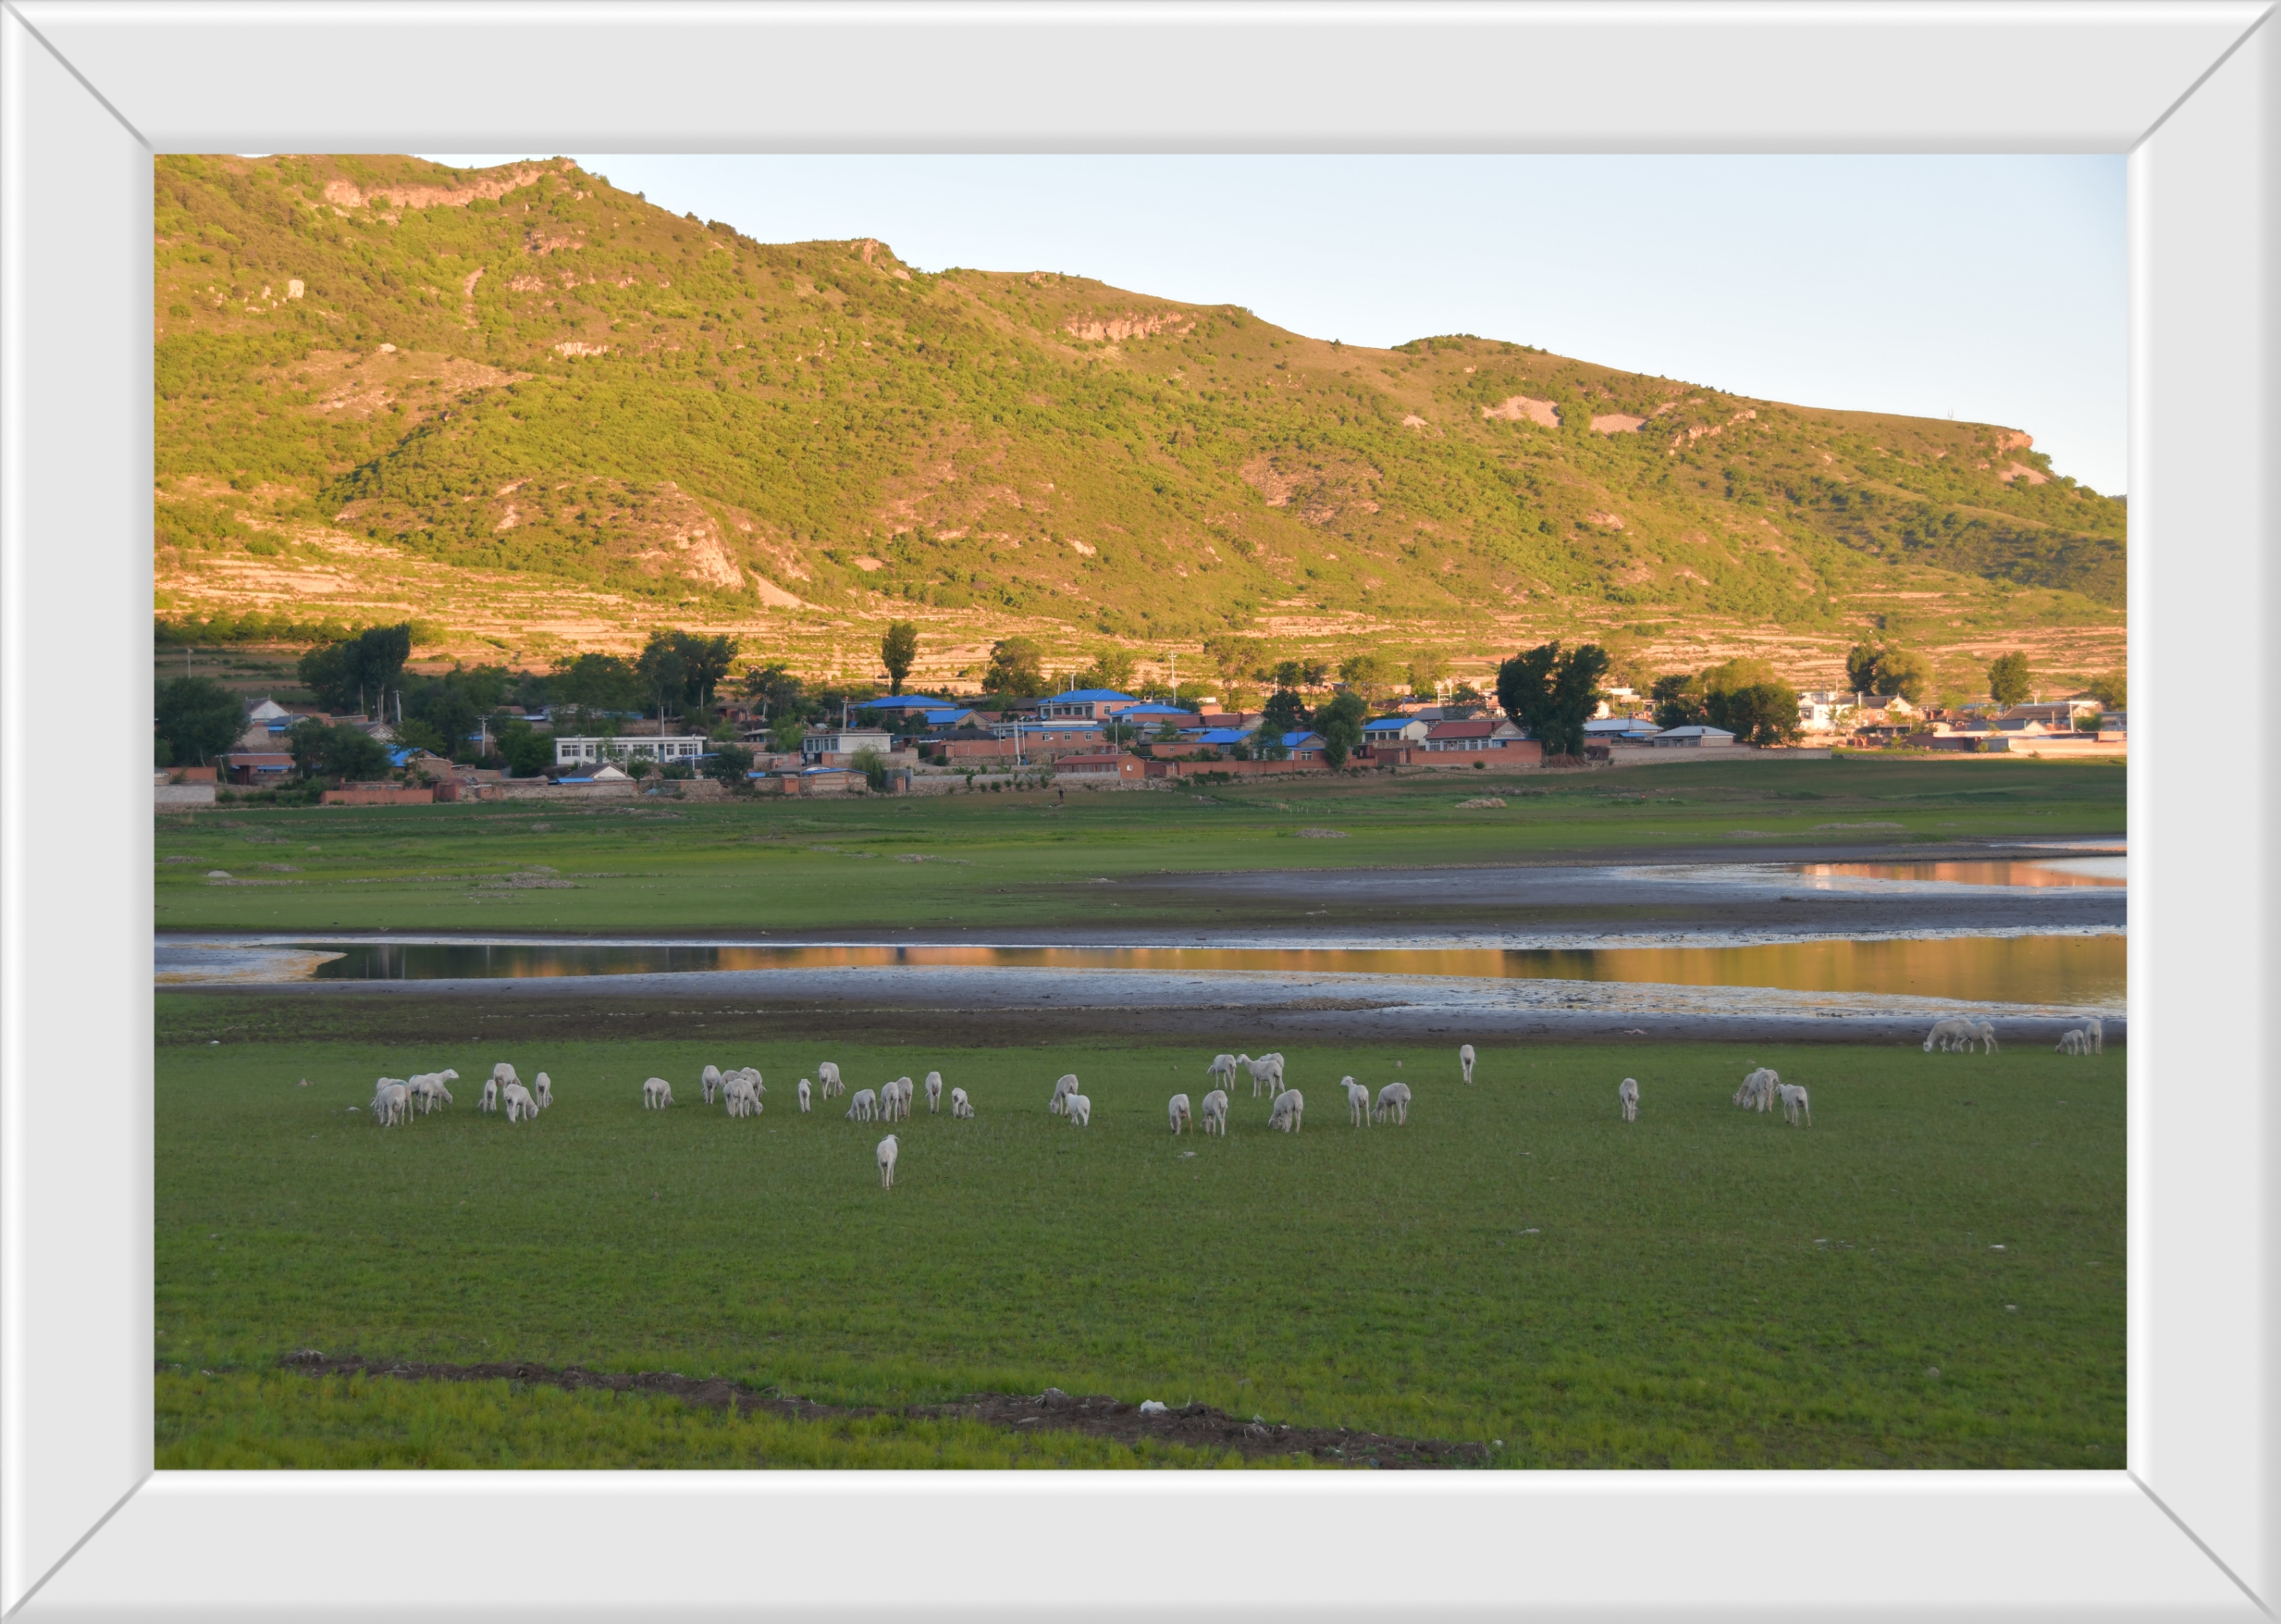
(1266, 1072)
(2095, 1030)
(1394, 1101)
(426, 1088)
(503, 1074)
(1628, 1097)
(803, 1096)
(490, 1100)
(933, 1093)
(1758, 1090)
(1794, 1105)
(827, 1078)
(1063, 1089)
(708, 1083)
(541, 1091)
(392, 1102)
(1985, 1031)
(1079, 1110)
(1214, 1119)
(1357, 1101)
(519, 1105)
(657, 1093)
(960, 1107)
(745, 1096)
(865, 1107)
(1178, 1109)
(1222, 1069)
(887, 1148)
(1285, 1114)
(1466, 1060)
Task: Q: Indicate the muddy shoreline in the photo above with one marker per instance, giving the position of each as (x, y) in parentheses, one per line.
(1192, 1425)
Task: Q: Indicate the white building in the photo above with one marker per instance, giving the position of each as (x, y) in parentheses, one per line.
(844, 742)
(585, 751)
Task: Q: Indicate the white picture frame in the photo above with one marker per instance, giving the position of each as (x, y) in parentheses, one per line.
(89, 91)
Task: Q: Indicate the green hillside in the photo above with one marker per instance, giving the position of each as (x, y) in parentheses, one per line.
(586, 390)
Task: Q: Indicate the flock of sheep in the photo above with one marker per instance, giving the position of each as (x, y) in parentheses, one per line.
(396, 1100)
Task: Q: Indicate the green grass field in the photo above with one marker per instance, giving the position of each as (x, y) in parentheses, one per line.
(1704, 1287)
(999, 861)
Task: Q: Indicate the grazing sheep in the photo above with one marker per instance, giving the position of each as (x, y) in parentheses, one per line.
(2071, 1043)
(657, 1093)
(503, 1074)
(1178, 1110)
(2094, 1030)
(427, 1088)
(1985, 1032)
(960, 1107)
(490, 1100)
(1284, 1115)
(708, 1082)
(1627, 1096)
(803, 1096)
(1394, 1101)
(1794, 1105)
(1062, 1092)
(1357, 1101)
(1466, 1060)
(1079, 1110)
(1758, 1090)
(827, 1078)
(1222, 1069)
(865, 1107)
(887, 1149)
(934, 1093)
(520, 1106)
(741, 1096)
(1214, 1119)
(392, 1102)
(541, 1090)
(1946, 1034)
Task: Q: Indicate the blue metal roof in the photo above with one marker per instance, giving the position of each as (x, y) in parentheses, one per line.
(1292, 741)
(1386, 724)
(906, 701)
(1153, 709)
(1222, 736)
(1081, 695)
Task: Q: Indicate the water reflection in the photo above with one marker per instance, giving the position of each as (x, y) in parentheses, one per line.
(2102, 871)
(2064, 969)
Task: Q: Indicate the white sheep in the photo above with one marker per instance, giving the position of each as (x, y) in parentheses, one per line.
(827, 1078)
(803, 1096)
(541, 1090)
(1079, 1110)
(1063, 1089)
(960, 1105)
(657, 1093)
(865, 1107)
(1628, 1097)
(1758, 1090)
(1284, 1115)
(503, 1074)
(887, 1149)
(1357, 1101)
(1985, 1032)
(750, 1076)
(1222, 1069)
(905, 1093)
(519, 1105)
(1214, 1119)
(427, 1088)
(490, 1100)
(1178, 1109)
(1394, 1101)
(708, 1082)
(2071, 1043)
(1794, 1105)
(2095, 1030)
(1946, 1034)
(1267, 1069)
(934, 1092)
(392, 1102)
(1466, 1060)
(745, 1096)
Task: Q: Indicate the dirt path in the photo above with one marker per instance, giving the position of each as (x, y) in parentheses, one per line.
(1192, 1425)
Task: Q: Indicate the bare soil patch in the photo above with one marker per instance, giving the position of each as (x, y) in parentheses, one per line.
(1097, 1415)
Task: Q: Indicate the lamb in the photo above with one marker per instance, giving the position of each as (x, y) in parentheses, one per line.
(803, 1096)
(934, 1093)
(392, 1102)
(1394, 1101)
(750, 1075)
(887, 1148)
(708, 1083)
(741, 1096)
(657, 1093)
(490, 1100)
(960, 1107)
(865, 1107)
(1286, 1112)
(1214, 1119)
(1063, 1089)
(1079, 1110)
(1758, 1090)
(1466, 1060)
(1627, 1096)
(1986, 1033)
(1222, 1069)
(2094, 1031)
(1357, 1101)
(2071, 1043)
(519, 1105)
(426, 1088)
(1794, 1105)
(1178, 1110)
(541, 1089)
(1946, 1034)
(1267, 1070)
(503, 1074)
(905, 1091)
(827, 1078)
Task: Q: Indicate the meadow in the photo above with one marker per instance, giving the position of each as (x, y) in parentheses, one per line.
(980, 862)
(1931, 1275)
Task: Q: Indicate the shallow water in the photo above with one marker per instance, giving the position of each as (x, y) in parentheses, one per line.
(2084, 970)
(2104, 871)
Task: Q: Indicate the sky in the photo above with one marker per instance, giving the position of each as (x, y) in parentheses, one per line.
(1989, 288)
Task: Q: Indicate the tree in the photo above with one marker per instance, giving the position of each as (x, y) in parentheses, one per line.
(730, 763)
(323, 750)
(2009, 680)
(1237, 660)
(2112, 689)
(197, 717)
(528, 752)
(897, 650)
(1735, 674)
(596, 683)
(1283, 712)
(1016, 669)
(1678, 700)
(664, 670)
(872, 765)
(1112, 667)
(1880, 667)
(1267, 742)
(773, 686)
(359, 671)
(1373, 677)
(1761, 713)
(1467, 700)
(1301, 673)
(1340, 723)
(1861, 667)
(1428, 668)
(787, 734)
(1553, 694)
